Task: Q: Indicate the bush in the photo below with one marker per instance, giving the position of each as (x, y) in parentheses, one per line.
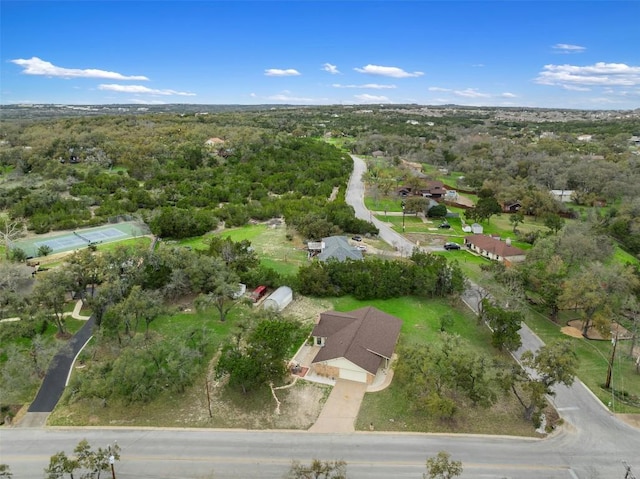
(439, 211)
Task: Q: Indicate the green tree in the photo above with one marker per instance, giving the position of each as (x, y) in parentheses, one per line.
(440, 377)
(50, 292)
(598, 291)
(318, 470)
(504, 326)
(88, 463)
(554, 222)
(5, 471)
(260, 359)
(239, 256)
(217, 283)
(86, 269)
(45, 250)
(18, 254)
(442, 467)
(139, 305)
(516, 219)
(415, 204)
(438, 211)
(555, 363)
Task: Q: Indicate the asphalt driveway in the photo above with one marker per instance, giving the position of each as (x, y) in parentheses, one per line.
(341, 409)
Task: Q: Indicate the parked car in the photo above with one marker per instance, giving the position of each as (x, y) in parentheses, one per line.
(449, 246)
(445, 226)
(356, 238)
(361, 247)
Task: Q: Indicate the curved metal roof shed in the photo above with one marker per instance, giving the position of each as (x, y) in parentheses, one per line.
(279, 299)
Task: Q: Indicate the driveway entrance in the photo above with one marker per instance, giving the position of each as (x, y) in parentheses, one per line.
(341, 409)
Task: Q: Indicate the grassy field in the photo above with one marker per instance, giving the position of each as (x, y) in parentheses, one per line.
(390, 410)
(594, 360)
(270, 244)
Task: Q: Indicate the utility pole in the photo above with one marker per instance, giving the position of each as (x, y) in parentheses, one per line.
(403, 204)
(112, 459)
(614, 341)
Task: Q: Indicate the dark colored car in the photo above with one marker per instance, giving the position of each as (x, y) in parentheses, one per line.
(449, 246)
(356, 238)
(445, 226)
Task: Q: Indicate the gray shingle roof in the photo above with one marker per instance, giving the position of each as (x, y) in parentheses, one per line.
(338, 247)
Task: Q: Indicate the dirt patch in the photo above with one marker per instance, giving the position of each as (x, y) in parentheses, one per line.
(571, 331)
(300, 406)
(631, 419)
(307, 310)
(593, 333)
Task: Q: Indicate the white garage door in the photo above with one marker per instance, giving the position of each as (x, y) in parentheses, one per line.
(351, 375)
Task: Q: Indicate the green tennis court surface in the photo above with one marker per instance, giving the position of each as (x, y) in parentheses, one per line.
(82, 238)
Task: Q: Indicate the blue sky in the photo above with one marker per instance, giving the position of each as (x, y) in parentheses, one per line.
(554, 54)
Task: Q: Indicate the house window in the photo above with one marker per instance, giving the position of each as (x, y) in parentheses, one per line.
(319, 341)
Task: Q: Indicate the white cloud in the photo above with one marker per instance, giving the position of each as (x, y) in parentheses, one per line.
(393, 72)
(366, 98)
(478, 65)
(285, 97)
(277, 72)
(328, 67)
(471, 93)
(566, 48)
(141, 89)
(579, 88)
(598, 74)
(36, 66)
(372, 86)
(140, 101)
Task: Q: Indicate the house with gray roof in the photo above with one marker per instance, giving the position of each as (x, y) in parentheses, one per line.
(356, 344)
(334, 247)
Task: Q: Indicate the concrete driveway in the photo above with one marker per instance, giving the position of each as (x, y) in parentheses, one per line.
(341, 409)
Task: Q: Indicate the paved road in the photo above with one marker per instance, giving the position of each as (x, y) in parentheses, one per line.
(244, 454)
(56, 377)
(355, 198)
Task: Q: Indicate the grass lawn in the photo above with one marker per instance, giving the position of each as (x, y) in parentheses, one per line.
(421, 318)
(389, 409)
(468, 262)
(270, 244)
(622, 257)
(594, 359)
(383, 204)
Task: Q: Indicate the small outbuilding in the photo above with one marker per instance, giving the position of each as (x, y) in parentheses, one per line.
(279, 299)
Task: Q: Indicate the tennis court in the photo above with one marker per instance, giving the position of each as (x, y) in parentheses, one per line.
(82, 238)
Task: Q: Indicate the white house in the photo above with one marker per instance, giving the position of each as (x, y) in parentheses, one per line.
(562, 195)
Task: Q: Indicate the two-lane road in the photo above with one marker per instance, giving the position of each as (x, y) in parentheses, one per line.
(245, 454)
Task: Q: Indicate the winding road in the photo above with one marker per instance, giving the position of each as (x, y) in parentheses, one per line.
(591, 445)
